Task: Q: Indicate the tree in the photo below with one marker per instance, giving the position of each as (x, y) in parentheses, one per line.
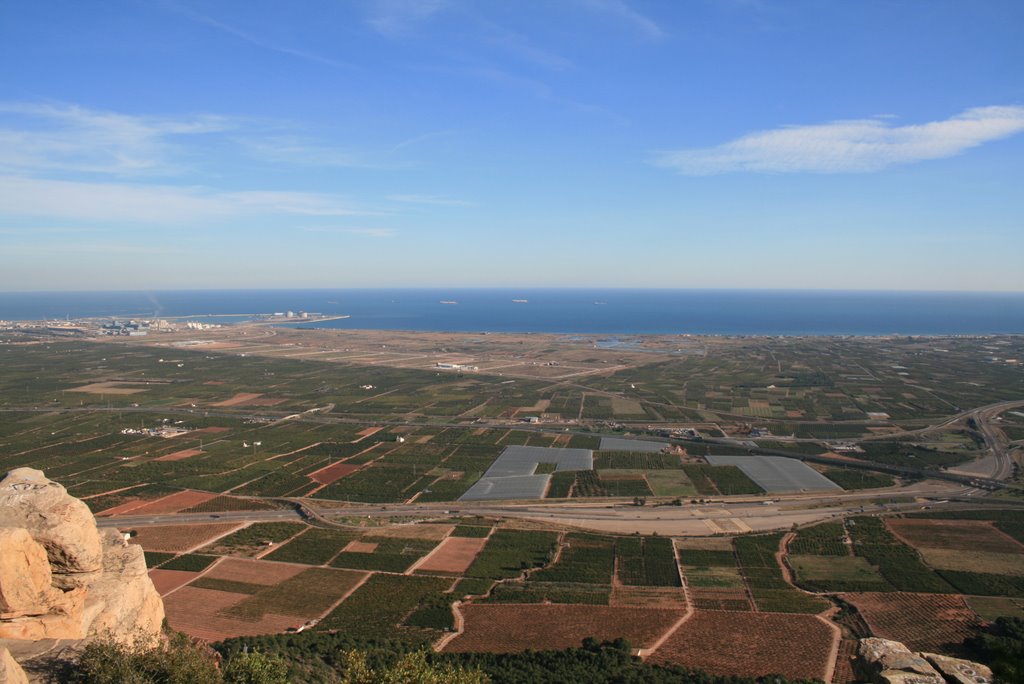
(178, 662)
(411, 668)
(255, 668)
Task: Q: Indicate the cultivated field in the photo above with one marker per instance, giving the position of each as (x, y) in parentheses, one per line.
(168, 504)
(453, 556)
(201, 613)
(511, 628)
(318, 415)
(925, 622)
(178, 538)
(751, 644)
(956, 535)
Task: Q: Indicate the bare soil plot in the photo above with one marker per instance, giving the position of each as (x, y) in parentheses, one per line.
(333, 472)
(129, 505)
(924, 622)
(178, 538)
(167, 581)
(425, 532)
(109, 388)
(961, 535)
(454, 555)
(750, 644)
(179, 455)
(173, 503)
(238, 399)
(357, 546)
(197, 612)
(267, 573)
(213, 430)
(512, 628)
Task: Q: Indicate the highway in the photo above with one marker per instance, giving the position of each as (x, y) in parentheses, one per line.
(723, 514)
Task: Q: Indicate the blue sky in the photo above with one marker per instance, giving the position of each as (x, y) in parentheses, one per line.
(149, 144)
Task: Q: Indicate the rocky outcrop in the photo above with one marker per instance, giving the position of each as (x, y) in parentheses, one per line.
(10, 671)
(61, 523)
(123, 603)
(61, 578)
(882, 661)
(959, 671)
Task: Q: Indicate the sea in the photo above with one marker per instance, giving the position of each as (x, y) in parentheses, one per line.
(571, 311)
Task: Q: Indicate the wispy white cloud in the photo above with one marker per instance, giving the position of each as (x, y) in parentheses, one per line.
(368, 232)
(156, 204)
(623, 12)
(410, 142)
(71, 138)
(531, 86)
(38, 138)
(521, 46)
(298, 150)
(396, 18)
(252, 39)
(434, 200)
(860, 145)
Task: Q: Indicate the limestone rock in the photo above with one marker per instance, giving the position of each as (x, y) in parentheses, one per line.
(10, 671)
(61, 579)
(890, 662)
(25, 577)
(61, 523)
(123, 604)
(959, 671)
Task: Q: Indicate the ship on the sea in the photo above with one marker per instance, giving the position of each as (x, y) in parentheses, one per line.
(520, 301)
(448, 301)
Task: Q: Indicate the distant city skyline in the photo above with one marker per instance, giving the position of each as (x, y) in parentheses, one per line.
(444, 143)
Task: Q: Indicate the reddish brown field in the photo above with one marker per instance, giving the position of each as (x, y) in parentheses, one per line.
(366, 432)
(213, 430)
(178, 501)
(178, 538)
(109, 388)
(453, 555)
(512, 628)
(167, 581)
(195, 612)
(356, 546)
(238, 399)
(844, 662)
(179, 455)
(267, 573)
(710, 598)
(750, 644)
(333, 472)
(262, 401)
(958, 535)
(129, 505)
(924, 622)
